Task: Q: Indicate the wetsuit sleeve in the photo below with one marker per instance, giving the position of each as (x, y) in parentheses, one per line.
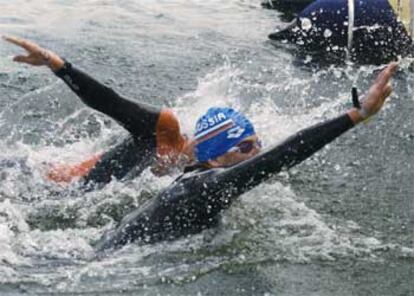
(292, 151)
(138, 118)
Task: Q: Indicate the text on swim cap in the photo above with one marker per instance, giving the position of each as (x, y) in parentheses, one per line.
(208, 122)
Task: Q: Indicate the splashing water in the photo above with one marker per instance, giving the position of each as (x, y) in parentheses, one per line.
(198, 54)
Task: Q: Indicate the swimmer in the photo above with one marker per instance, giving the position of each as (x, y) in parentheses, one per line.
(371, 32)
(230, 162)
(155, 138)
(227, 152)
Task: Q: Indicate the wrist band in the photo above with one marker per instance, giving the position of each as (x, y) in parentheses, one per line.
(355, 101)
(355, 98)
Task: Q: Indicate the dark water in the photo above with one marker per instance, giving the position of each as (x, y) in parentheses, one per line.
(339, 224)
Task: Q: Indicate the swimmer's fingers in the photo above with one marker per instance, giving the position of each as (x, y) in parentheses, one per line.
(37, 56)
(386, 74)
(23, 43)
(375, 98)
(28, 60)
(387, 91)
(21, 59)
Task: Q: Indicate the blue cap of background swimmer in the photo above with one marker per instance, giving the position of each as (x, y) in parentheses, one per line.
(219, 130)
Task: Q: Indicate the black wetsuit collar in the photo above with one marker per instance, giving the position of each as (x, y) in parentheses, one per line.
(197, 166)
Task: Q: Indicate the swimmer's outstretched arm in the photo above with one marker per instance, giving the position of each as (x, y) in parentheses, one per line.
(306, 142)
(141, 120)
(192, 202)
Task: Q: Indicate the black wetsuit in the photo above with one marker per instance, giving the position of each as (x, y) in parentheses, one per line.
(194, 200)
(136, 152)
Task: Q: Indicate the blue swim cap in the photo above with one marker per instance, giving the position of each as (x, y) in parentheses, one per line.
(219, 130)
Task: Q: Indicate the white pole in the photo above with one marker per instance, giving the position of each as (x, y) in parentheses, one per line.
(351, 22)
(411, 18)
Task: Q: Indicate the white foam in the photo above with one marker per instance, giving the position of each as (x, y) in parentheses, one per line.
(11, 224)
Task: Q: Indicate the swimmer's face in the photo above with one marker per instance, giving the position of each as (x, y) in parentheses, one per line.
(244, 150)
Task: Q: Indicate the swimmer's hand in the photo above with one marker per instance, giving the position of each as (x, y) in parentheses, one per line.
(37, 56)
(375, 98)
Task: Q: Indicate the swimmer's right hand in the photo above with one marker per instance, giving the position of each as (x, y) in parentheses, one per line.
(37, 56)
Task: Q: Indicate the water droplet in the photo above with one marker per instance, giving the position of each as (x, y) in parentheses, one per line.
(306, 24)
(327, 33)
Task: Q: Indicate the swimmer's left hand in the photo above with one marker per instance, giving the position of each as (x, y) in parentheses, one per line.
(376, 96)
(37, 56)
